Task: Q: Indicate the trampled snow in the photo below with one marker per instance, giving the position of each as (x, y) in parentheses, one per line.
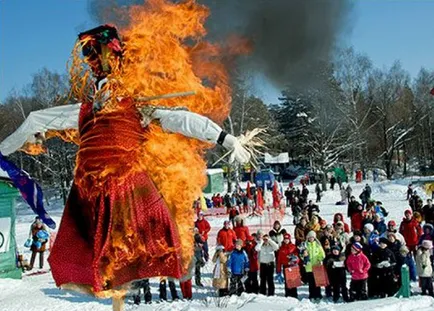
(39, 293)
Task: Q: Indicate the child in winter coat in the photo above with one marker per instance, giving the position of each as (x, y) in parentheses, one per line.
(424, 267)
(384, 261)
(335, 265)
(252, 285)
(379, 224)
(427, 233)
(407, 259)
(277, 233)
(287, 257)
(220, 272)
(238, 266)
(313, 255)
(358, 265)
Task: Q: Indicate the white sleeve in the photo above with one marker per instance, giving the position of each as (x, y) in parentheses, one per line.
(56, 118)
(189, 124)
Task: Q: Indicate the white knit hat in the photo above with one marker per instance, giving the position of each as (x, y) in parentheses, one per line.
(311, 234)
(370, 227)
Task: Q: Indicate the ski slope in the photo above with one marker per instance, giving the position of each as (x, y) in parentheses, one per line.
(39, 293)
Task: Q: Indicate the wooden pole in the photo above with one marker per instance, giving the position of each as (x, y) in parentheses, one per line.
(118, 304)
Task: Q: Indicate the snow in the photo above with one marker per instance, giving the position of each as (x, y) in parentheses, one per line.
(39, 293)
(3, 174)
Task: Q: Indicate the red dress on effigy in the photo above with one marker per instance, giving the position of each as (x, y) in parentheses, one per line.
(116, 227)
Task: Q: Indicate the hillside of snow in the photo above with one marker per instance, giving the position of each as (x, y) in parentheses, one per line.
(39, 293)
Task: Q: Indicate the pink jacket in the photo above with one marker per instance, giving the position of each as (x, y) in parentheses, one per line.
(358, 266)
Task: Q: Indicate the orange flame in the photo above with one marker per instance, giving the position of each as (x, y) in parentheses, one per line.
(164, 52)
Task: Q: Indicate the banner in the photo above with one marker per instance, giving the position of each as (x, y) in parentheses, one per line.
(5, 231)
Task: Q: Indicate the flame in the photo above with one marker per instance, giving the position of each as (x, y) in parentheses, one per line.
(33, 149)
(164, 52)
(68, 135)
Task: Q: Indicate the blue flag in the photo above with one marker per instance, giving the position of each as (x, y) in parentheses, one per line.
(30, 190)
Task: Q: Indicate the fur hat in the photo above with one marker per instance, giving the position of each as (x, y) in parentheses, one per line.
(426, 244)
(428, 226)
(311, 234)
(370, 227)
(357, 246)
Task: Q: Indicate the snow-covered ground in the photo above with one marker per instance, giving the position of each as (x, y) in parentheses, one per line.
(39, 293)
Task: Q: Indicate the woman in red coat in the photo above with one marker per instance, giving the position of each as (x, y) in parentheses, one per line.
(287, 257)
(411, 230)
(252, 285)
(227, 237)
(241, 230)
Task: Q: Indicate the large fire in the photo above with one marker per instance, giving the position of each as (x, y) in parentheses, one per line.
(165, 53)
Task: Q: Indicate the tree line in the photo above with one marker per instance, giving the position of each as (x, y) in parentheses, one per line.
(354, 114)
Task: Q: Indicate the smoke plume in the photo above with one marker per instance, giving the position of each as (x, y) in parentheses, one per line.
(290, 38)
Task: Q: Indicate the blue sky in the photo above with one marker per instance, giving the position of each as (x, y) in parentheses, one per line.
(36, 34)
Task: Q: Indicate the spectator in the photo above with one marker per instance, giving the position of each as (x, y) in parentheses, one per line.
(358, 265)
(198, 256)
(392, 228)
(313, 225)
(335, 265)
(300, 231)
(427, 233)
(384, 261)
(287, 257)
(137, 285)
(238, 266)
(252, 285)
(172, 288)
(342, 238)
(407, 259)
(266, 249)
(204, 228)
(318, 192)
(312, 255)
(332, 182)
(277, 233)
(411, 230)
(312, 209)
(185, 282)
(409, 191)
(424, 267)
(241, 231)
(357, 218)
(226, 237)
(428, 212)
(39, 236)
(220, 272)
(352, 206)
(340, 217)
(379, 225)
(349, 191)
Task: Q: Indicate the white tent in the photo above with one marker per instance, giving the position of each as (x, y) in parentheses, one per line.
(280, 158)
(56, 118)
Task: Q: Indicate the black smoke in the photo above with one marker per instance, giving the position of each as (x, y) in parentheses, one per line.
(290, 39)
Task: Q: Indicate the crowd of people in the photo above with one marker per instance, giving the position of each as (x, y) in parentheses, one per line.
(368, 248)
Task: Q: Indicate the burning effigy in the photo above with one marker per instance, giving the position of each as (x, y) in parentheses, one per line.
(140, 162)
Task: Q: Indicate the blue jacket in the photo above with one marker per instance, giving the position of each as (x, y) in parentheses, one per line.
(409, 261)
(238, 262)
(380, 227)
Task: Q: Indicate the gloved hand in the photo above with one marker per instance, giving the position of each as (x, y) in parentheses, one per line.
(386, 264)
(239, 153)
(279, 278)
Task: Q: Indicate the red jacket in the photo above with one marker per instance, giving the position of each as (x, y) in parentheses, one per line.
(227, 238)
(357, 221)
(335, 220)
(411, 231)
(242, 232)
(253, 257)
(285, 251)
(358, 266)
(204, 227)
